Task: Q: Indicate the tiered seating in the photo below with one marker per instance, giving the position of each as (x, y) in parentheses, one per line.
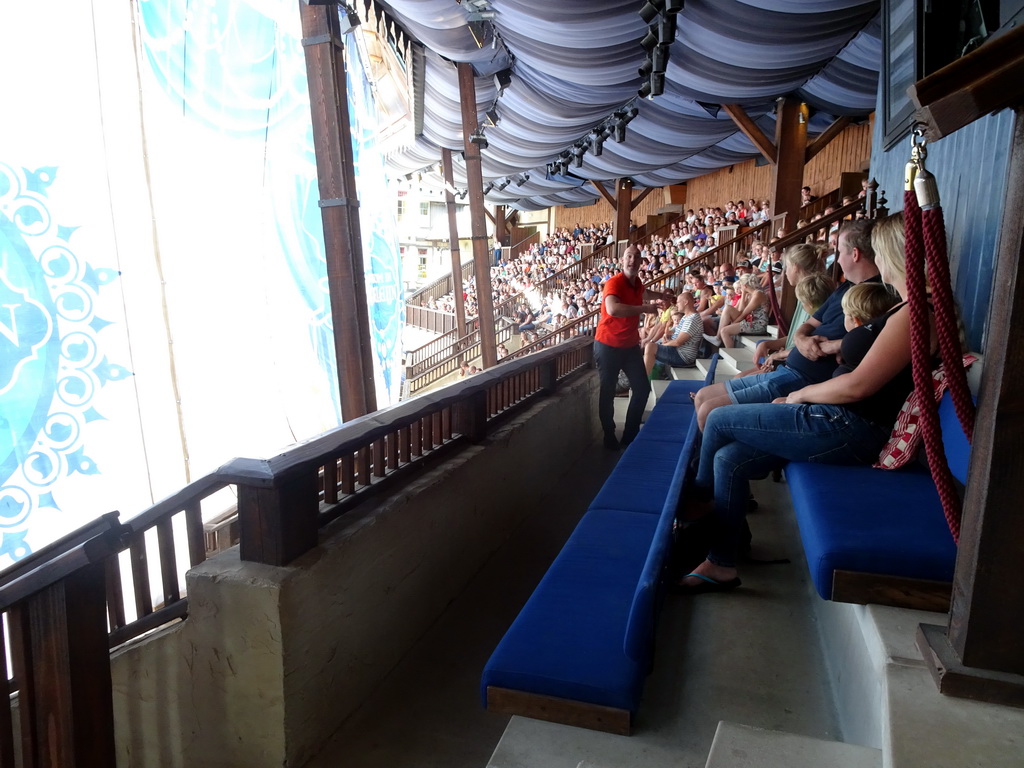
(582, 645)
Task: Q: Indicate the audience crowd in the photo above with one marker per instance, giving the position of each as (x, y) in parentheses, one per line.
(729, 299)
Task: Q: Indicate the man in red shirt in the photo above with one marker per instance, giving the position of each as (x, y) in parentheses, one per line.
(617, 346)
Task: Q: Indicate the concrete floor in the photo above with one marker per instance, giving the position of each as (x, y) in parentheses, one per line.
(752, 657)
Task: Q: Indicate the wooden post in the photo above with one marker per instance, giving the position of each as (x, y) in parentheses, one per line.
(979, 655)
(500, 225)
(481, 255)
(788, 170)
(332, 142)
(623, 209)
(453, 239)
(278, 524)
(61, 658)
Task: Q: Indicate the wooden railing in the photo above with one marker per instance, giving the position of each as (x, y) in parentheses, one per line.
(438, 288)
(65, 607)
(432, 368)
(435, 320)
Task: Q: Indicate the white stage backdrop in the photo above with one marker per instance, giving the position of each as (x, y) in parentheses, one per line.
(163, 297)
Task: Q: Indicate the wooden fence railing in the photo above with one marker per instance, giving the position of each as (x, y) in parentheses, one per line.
(442, 286)
(65, 606)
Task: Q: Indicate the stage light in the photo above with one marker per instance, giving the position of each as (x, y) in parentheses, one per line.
(619, 131)
(477, 137)
(657, 83)
(648, 11)
(646, 68)
(650, 40)
(502, 80)
(673, 6)
(658, 60)
(645, 90)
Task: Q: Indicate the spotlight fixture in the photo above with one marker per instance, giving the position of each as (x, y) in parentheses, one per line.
(487, 188)
(647, 67)
(502, 80)
(492, 115)
(648, 11)
(619, 130)
(481, 16)
(658, 60)
(657, 83)
(477, 137)
(348, 19)
(630, 113)
(673, 7)
(649, 40)
(503, 183)
(665, 30)
(645, 90)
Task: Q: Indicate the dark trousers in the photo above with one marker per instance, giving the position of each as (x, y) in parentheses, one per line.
(611, 360)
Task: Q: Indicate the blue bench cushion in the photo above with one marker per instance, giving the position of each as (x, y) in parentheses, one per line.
(567, 640)
(871, 521)
(642, 478)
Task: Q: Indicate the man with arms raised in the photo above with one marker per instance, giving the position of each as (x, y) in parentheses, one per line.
(813, 358)
(617, 346)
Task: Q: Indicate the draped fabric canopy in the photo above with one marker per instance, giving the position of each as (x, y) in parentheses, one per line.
(574, 64)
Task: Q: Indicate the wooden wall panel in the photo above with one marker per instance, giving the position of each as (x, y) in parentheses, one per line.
(601, 212)
(745, 180)
(849, 151)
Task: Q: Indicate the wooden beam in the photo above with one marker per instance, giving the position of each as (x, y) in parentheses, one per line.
(453, 240)
(623, 207)
(640, 198)
(751, 131)
(898, 591)
(489, 215)
(984, 81)
(481, 254)
(825, 137)
(556, 710)
(604, 192)
(339, 209)
(987, 614)
(788, 171)
(500, 225)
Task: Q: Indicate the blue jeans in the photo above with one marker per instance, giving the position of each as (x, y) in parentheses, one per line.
(746, 442)
(610, 360)
(765, 387)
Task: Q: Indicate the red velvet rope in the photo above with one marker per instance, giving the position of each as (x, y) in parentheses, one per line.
(945, 318)
(918, 241)
(776, 308)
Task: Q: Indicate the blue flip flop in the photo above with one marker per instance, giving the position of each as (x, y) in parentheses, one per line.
(707, 584)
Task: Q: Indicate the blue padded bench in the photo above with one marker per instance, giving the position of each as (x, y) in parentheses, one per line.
(879, 536)
(582, 645)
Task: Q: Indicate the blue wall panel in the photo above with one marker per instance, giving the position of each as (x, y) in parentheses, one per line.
(971, 169)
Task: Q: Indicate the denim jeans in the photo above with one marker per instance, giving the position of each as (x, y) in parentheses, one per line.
(611, 360)
(746, 442)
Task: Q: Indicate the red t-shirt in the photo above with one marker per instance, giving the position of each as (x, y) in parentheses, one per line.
(620, 331)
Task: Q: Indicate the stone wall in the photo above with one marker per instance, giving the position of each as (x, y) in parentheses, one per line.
(271, 660)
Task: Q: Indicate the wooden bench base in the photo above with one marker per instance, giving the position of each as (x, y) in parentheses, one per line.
(897, 591)
(555, 710)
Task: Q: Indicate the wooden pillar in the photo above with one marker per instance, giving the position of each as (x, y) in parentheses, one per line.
(623, 209)
(481, 255)
(61, 657)
(788, 170)
(500, 225)
(453, 239)
(339, 206)
(979, 655)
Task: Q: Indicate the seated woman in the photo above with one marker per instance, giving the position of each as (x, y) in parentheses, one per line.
(800, 261)
(844, 420)
(749, 316)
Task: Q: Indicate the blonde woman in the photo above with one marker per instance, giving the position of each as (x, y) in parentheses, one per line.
(749, 316)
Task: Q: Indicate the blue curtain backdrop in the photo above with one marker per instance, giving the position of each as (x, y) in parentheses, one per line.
(163, 296)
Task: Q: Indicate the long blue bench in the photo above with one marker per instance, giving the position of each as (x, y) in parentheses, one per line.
(581, 647)
(879, 536)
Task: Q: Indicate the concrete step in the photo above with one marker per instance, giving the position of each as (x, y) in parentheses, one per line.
(686, 374)
(741, 358)
(742, 746)
(725, 370)
(773, 331)
(751, 342)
